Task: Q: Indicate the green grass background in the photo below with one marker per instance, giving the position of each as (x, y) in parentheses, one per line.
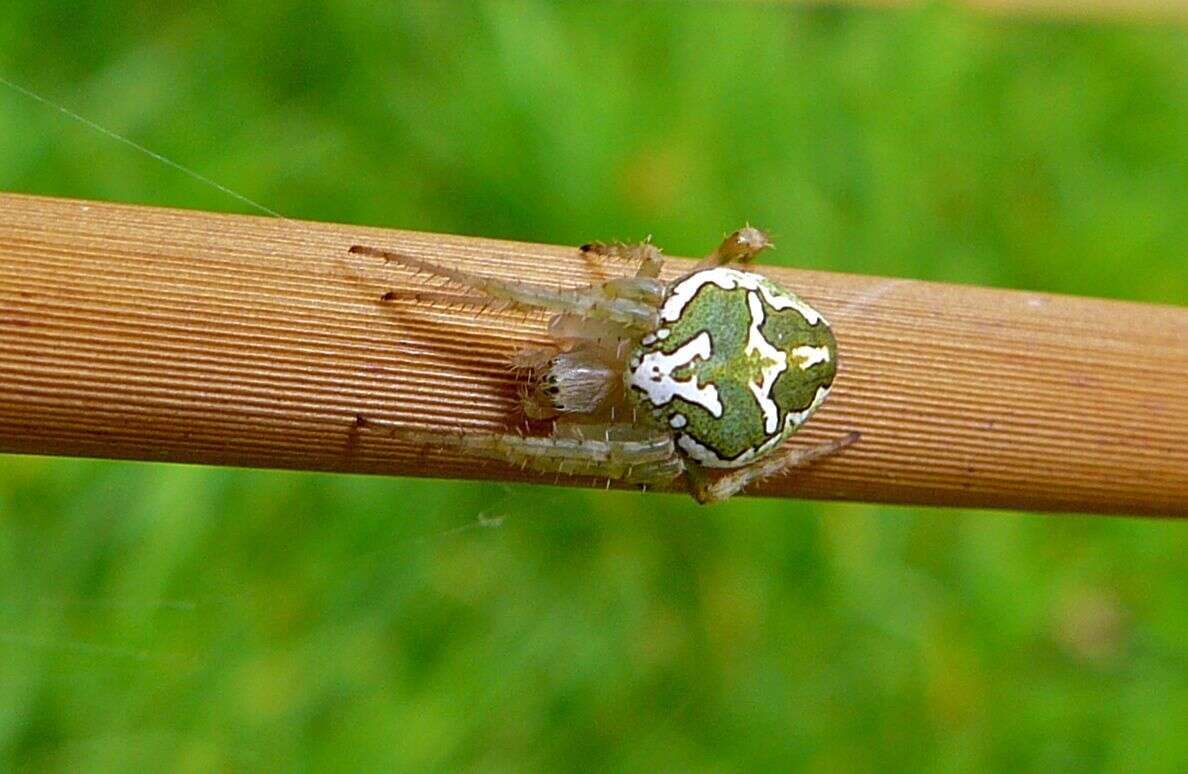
(170, 618)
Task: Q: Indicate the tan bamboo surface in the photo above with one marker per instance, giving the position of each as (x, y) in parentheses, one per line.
(154, 334)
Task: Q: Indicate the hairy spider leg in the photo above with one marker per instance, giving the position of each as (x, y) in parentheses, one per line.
(607, 431)
(646, 254)
(711, 489)
(654, 473)
(528, 358)
(615, 300)
(739, 247)
(648, 459)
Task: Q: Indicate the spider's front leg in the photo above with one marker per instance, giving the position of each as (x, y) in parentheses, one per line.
(739, 247)
(708, 488)
(630, 301)
(646, 254)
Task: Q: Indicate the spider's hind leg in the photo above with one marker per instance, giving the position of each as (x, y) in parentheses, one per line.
(708, 488)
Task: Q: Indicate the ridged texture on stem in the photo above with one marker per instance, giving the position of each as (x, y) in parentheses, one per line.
(143, 333)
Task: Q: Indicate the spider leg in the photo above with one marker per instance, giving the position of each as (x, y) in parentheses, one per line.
(645, 253)
(607, 431)
(528, 358)
(709, 489)
(739, 247)
(647, 459)
(656, 473)
(623, 301)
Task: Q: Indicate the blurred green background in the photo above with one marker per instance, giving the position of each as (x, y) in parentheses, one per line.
(192, 619)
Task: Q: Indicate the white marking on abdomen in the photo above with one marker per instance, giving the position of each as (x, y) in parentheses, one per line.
(791, 302)
(774, 361)
(653, 375)
(798, 418)
(810, 356)
(703, 454)
(710, 459)
(729, 279)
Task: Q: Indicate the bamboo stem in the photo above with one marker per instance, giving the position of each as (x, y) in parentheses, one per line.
(142, 333)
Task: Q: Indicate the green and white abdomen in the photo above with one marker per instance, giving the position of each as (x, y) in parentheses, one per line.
(736, 366)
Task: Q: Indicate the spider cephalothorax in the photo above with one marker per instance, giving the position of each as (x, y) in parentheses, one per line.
(647, 380)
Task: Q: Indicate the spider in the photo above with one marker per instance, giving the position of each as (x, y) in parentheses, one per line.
(647, 380)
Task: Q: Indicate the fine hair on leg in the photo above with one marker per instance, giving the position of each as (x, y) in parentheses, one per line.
(741, 246)
(615, 300)
(711, 489)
